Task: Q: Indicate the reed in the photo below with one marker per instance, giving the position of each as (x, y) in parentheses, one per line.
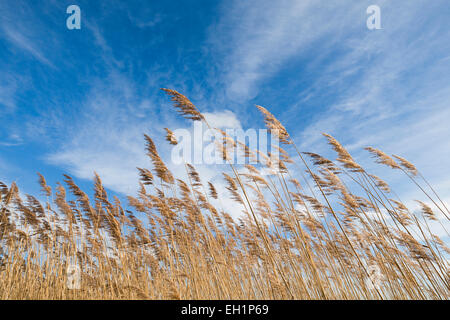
(336, 232)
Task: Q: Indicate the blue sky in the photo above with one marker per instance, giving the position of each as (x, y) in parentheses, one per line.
(78, 101)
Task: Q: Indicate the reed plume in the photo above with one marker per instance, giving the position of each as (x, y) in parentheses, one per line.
(338, 232)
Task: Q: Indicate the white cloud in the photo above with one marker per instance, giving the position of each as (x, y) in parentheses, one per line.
(23, 42)
(108, 137)
(266, 34)
(223, 119)
(12, 140)
(115, 165)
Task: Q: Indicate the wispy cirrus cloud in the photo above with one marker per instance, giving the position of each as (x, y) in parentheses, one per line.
(23, 42)
(395, 97)
(257, 38)
(13, 139)
(146, 21)
(7, 96)
(107, 137)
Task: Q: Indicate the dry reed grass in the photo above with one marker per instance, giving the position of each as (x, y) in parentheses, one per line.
(317, 239)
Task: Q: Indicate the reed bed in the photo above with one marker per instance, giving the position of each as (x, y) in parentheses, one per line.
(313, 228)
